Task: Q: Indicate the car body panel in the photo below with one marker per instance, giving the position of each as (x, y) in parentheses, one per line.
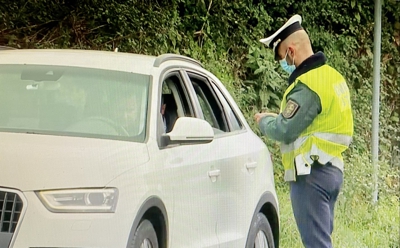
(38, 162)
(80, 58)
(241, 184)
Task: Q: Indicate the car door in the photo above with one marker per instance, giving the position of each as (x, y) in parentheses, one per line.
(237, 163)
(243, 183)
(190, 175)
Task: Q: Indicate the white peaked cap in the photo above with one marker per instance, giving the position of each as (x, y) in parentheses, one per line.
(291, 26)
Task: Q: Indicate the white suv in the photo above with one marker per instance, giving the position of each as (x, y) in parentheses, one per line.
(108, 150)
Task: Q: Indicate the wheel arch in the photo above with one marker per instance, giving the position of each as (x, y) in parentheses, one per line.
(269, 207)
(153, 209)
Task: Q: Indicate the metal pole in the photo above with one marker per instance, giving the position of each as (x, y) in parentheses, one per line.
(375, 96)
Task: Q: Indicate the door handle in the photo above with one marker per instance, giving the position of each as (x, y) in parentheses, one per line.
(214, 174)
(251, 165)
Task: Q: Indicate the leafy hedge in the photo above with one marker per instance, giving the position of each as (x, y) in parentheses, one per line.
(224, 36)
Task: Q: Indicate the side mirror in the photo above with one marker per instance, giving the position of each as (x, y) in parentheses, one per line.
(189, 130)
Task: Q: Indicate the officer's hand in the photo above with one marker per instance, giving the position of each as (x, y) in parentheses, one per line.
(259, 116)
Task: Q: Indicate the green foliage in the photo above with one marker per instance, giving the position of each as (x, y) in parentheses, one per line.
(263, 78)
(224, 36)
(357, 224)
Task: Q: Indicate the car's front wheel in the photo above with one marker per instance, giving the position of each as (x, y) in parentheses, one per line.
(260, 234)
(145, 236)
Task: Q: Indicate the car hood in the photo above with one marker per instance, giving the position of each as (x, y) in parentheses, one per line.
(37, 162)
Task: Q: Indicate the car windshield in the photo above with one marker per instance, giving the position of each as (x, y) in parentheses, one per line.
(72, 101)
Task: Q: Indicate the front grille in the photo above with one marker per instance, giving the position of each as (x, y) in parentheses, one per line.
(10, 211)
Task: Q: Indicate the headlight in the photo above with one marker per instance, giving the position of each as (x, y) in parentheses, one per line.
(80, 200)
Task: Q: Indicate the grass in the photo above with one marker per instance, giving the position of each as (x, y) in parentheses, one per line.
(358, 224)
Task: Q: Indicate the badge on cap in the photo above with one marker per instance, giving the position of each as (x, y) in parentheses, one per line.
(290, 109)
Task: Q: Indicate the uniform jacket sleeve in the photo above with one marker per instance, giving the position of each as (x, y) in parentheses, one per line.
(288, 130)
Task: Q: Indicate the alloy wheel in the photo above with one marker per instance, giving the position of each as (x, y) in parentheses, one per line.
(146, 244)
(261, 240)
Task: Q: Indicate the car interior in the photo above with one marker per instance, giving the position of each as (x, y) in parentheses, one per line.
(170, 114)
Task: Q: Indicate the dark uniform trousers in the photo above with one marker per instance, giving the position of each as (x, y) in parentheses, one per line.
(313, 199)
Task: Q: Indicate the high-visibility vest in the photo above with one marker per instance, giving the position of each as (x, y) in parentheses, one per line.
(330, 133)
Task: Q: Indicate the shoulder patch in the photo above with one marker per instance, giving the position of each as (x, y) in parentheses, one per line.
(291, 109)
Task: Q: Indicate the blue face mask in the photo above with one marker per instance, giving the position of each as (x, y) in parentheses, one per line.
(285, 66)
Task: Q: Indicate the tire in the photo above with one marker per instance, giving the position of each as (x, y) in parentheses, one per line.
(260, 234)
(145, 236)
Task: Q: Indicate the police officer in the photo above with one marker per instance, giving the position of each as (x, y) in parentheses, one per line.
(314, 127)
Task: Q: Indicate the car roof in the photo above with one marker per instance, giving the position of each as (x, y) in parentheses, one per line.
(128, 62)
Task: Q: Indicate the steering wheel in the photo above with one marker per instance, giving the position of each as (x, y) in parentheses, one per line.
(118, 128)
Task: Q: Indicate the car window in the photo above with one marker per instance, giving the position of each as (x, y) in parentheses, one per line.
(233, 120)
(73, 101)
(210, 104)
(173, 84)
(174, 101)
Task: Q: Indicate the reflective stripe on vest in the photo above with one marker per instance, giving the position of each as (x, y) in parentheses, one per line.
(332, 137)
(293, 152)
